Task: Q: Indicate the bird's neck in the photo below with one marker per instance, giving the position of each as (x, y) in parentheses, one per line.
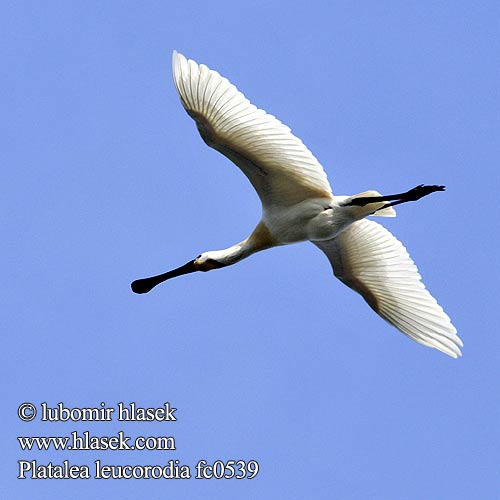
(233, 254)
(260, 239)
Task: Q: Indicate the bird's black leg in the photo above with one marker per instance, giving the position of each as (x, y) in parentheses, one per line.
(395, 199)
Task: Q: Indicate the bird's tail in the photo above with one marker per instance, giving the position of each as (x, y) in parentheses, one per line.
(378, 208)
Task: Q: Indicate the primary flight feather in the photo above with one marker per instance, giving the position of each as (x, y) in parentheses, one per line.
(298, 205)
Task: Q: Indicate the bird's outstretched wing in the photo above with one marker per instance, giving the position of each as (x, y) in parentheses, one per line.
(280, 167)
(371, 261)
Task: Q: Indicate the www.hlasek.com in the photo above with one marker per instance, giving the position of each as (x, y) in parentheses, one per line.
(85, 441)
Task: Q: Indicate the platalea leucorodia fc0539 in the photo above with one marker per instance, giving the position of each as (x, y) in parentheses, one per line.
(298, 205)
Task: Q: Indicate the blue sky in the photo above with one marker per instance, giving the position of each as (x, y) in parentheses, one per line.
(106, 180)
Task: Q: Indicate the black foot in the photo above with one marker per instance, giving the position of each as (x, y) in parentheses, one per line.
(420, 191)
(412, 195)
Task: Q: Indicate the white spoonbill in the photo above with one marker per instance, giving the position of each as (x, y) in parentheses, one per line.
(298, 205)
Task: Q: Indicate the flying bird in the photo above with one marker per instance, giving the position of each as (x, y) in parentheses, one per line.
(298, 205)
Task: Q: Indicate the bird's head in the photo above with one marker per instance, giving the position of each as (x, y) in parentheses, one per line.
(208, 261)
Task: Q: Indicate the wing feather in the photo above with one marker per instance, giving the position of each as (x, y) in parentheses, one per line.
(371, 261)
(279, 166)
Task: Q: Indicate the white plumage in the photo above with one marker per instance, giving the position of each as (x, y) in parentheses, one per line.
(298, 205)
(369, 259)
(280, 167)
